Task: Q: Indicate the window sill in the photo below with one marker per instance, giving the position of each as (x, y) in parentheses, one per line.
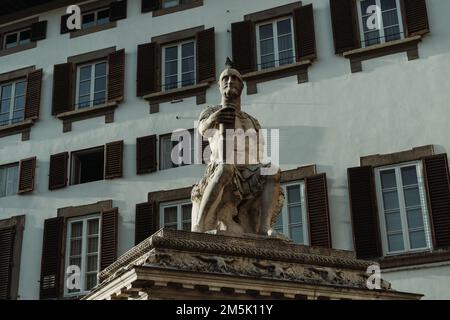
(415, 259)
(24, 47)
(16, 128)
(408, 45)
(80, 33)
(198, 90)
(187, 6)
(69, 117)
(298, 68)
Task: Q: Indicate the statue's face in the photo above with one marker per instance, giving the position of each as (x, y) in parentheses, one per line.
(230, 83)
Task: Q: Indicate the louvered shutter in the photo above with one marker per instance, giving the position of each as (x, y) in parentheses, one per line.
(364, 212)
(146, 69)
(146, 161)
(33, 95)
(416, 17)
(304, 32)
(116, 76)
(51, 258)
(206, 55)
(6, 261)
(108, 231)
(62, 88)
(146, 222)
(38, 31)
(118, 10)
(318, 211)
(438, 189)
(150, 5)
(26, 175)
(243, 39)
(58, 171)
(114, 160)
(343, 20)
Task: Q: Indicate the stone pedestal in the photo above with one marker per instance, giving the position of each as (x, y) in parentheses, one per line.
(185, 265)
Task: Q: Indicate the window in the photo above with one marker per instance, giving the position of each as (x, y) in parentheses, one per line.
(403, 209)
(275, 43)
(9, 177)
(91, 84)
(82, 250)
(12, 101)
(17, 38)
(292, 219)
(174, 3)
(167, 148)
(95, 18)
(176, 215)
(390, 27)
(179, 65)
(88, 165)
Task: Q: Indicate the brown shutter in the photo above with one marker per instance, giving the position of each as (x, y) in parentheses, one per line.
(438, 188)
(6, 261)
(38, 31)
(150, 5)
(116, 75)
(146, 154)
(62, 88)
(58, 171)
(146, 69)
(114, 160)
(364, 212)
(146, 222)
(26, 175)
(304, 32)
(118, 10)
(318, 211)
(343, 20)
(243, 40)
(206, 55)
(51, 258)
(416, 17)
(108, 231)
(33, 96)
(64, 28)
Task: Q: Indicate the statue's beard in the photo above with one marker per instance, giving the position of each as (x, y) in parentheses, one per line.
(231, 93)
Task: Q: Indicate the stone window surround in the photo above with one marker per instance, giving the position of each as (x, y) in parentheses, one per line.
(18, 222)
(106, 110)
(197, 90)
(15, 27)
(181, 7)
(23, 127)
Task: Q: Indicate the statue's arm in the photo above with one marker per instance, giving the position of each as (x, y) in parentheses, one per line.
(206, 120)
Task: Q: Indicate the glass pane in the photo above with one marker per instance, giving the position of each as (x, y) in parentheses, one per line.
(279, 222)
(285, 43)
(2, 181)
(100, 69)
(18, 116)
(171, 227)
(84, 101)
(295, 214)
(417, 239)
(393, 221)
(91, 281)
(5, 105)
(91, 264)
(93, 245)
(395, 242)
(6, 91)
(25, 37)
(415, 218)
(388, 4)
(19, 103)
(171, 83)
(171, 68)
(187, 226)
(99, 97)
(4, 119)
(365, 5)
(392, 33)
(388, 179)
(187, 49)
(170, 3)
(11, 40)
(372, 37)
(88, 20)
(188, 79)
(390, 200)
(409, 176)
(187, 65)
(76, 261)
(265, 31)
(92, 226)
(75, 247)
(293, 194)
(296, 234)
(412, 197)
(100, 84)
(77, 229)
(85, 73)
(171, 53)
(85, 88)
(12, 177)
(284, 27)
(103, 17)
(186, 211)
(170, 215)
(390, 18)
(286, 57)
(268, 61)
(267, 46)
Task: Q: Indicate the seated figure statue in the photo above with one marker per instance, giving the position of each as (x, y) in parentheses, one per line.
(235, 196)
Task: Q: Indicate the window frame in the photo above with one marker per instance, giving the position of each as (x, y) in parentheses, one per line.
(179, 45)
(92, 92)
(12, 99)
(17, 43)
(8, 166)
(178, 204)
(96, 12)
(84, 238)
(403, 215)
(275, 41)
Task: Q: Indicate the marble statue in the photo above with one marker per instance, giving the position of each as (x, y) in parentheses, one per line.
(235, 196)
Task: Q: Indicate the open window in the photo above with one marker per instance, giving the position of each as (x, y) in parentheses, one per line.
(88, 166)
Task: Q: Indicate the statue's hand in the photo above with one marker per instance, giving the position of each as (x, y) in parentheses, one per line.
(224, 115)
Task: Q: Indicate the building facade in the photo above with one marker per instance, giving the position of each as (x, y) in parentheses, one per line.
(87, 115)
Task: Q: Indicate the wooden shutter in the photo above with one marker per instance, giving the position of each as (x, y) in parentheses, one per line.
(146, 69)
(116, 76)
(62, 88)
(113, 160)
(146, 161)
(318, 211)
(438, 189)
(26, 175)
(33, 95)
(64, 28)
(304, 32)
(416, 17)
(206, 55)
(118, 10)
(146, 222)
(109, 227)
(38, 31)
(364, 212)
(343, 20)
(51, 258)
(58, 171)
(243, 40)
(6, 261)
(150, 5)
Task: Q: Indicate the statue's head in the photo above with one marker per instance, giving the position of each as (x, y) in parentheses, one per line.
(231, 83)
